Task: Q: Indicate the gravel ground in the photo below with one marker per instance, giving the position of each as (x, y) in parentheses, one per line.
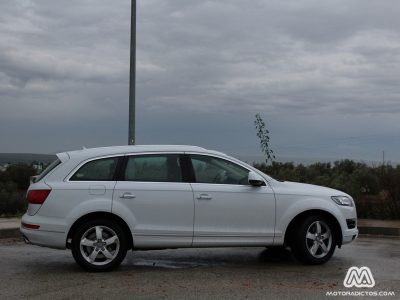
(31, 272)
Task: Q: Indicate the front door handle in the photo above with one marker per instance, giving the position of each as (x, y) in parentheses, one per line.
(204, 197)
(127, 196)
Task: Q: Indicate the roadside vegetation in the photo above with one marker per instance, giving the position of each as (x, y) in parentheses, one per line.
(375, 189)
(14, 182)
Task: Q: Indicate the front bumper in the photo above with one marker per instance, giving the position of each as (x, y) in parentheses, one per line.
(349, 235)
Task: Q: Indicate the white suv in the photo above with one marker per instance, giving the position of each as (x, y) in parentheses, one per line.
(101, 202)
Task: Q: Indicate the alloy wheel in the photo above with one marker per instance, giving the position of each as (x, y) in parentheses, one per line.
(99, 245)
(318, 239)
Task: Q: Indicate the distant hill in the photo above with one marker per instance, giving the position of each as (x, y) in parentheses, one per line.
(25, 158)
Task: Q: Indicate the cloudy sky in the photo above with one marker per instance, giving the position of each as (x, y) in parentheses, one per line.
(324, 75)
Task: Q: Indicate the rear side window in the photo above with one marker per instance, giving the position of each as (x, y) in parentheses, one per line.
(154, 167)
(97, 170)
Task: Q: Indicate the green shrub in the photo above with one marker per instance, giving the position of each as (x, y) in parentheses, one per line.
(13, 185)
(12, 200)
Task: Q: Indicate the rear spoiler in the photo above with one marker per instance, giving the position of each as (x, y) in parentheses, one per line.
(63, 156)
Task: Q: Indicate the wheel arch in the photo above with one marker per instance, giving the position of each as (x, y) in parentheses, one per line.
(290, 229)
(100, 215)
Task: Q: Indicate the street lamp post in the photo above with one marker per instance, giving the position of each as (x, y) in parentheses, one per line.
(132, 77)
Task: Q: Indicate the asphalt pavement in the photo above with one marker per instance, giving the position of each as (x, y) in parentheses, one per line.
(32, 272)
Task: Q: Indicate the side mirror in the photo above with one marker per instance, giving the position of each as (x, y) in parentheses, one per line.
(255, 179)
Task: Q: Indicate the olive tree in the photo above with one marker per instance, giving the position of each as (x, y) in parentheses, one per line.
(263, 135)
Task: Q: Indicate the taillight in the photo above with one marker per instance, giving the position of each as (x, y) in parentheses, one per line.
(37, 196)
(30, 226)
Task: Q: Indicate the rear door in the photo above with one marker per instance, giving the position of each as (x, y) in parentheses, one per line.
(156, 200)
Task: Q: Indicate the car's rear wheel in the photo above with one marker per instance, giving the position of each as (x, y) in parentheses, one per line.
(99, 245)
(314, 241)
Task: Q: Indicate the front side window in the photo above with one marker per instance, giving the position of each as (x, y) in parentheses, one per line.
(208, 169)
(154, 168)
(97, 170)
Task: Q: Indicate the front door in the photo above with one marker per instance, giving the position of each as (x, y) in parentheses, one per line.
(229, 211)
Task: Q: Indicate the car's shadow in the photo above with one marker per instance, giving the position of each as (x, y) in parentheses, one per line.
(277, 255)
(62, 262)
(193, 258)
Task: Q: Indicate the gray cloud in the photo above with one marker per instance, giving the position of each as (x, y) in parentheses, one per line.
(64, 64)
(201, 65)
(302, 57)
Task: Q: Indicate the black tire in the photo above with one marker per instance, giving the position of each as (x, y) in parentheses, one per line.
(106, 256)
(311, 243)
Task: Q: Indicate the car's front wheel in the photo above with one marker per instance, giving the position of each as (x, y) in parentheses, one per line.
(314, 240)
(99, 245)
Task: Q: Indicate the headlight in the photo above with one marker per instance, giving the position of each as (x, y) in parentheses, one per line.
(342, 200)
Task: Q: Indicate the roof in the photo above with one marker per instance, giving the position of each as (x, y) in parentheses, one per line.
(103, 151)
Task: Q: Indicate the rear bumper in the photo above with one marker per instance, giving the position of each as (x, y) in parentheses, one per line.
(49, 234)
(43, 238)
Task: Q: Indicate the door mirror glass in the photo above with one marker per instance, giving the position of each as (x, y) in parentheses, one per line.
(255, 179)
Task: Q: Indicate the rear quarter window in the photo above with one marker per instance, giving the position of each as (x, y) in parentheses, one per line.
(46, 171)
(97, 170)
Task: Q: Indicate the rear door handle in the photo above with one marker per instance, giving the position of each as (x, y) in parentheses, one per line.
(127, 196)
(204, 197)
